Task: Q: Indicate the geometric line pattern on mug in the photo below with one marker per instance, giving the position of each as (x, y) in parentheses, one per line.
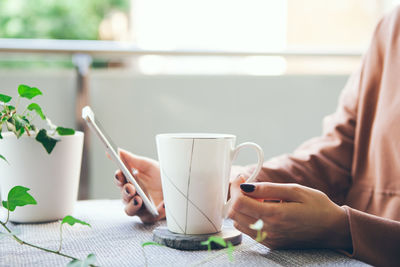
(169, 180)
(169, 211)
(188, 185)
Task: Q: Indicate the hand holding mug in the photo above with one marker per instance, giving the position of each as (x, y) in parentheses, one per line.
(303, 218)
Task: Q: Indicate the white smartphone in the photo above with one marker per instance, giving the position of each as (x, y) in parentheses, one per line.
(94, 124)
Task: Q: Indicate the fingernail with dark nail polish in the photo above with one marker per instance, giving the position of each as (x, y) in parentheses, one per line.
(163, 205)
(135, 202)
(127, 192)
(248, 188)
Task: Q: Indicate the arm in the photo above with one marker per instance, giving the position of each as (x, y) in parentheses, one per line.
(375, 240)
(323, 162)
(326, 162)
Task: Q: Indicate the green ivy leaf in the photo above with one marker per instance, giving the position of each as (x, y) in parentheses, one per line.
(10, 107)
(20, 124)
(3, 158)
(65, 131)
(90, 260)
(71, 221)
(18, 197)
(21, 132)
(5, 98)
(38, 110)
(150, 243)
(216, 239)
(20, 121)
(28, 92)
(48, 142)
(10, 125)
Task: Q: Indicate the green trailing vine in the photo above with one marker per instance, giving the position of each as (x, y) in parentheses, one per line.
(18, 196)
(21, 123)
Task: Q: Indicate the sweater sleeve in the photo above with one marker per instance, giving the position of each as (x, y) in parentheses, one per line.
(325, 162)
(322, 162)
(375, 240)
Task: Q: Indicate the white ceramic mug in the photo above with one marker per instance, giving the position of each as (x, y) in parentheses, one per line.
(195, 170)
(53, 179)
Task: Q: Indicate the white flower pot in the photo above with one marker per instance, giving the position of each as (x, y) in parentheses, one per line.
(53, 178)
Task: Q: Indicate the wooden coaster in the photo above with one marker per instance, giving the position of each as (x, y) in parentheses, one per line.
(163, 236)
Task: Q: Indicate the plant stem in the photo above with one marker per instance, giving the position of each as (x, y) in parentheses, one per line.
(16, 105)
(37, 247)
(222, 251)
(8, 214)
(59, 249)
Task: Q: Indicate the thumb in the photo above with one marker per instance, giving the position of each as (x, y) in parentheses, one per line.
(133, 161)
(238, 180)
(235, 185)
(274, 191)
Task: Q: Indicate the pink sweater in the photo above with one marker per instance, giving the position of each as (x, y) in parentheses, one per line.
(356, 161)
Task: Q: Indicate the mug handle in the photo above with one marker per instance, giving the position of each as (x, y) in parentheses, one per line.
(260, 155)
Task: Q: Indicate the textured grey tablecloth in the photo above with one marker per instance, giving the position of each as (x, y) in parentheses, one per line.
(116, 240)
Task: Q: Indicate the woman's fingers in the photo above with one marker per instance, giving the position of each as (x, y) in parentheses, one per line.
(241, 218)
(254, 208)
(245, 229)
(146, 217)
(128, 191)
(136, 207)
(303, 219)
(133, 206)
(234, 188)
(119, 178)
(274, 191)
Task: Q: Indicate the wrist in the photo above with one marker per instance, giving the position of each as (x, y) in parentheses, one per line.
(339, 236)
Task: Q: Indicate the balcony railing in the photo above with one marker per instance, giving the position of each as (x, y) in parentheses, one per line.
(115, 49)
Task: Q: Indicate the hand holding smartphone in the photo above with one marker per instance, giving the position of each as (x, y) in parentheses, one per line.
(89, 116)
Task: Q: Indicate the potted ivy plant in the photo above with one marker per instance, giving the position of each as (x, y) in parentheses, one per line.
(46, 160)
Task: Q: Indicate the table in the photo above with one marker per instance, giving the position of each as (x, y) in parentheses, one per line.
(116, 240)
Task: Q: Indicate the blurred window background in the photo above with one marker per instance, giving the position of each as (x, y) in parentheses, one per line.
(226, 25)
(267, 71)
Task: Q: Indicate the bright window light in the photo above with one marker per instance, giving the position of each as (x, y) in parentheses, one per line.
(249, 25)
(227, 25)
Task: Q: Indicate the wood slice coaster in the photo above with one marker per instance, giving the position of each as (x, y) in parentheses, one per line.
(163, 236)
